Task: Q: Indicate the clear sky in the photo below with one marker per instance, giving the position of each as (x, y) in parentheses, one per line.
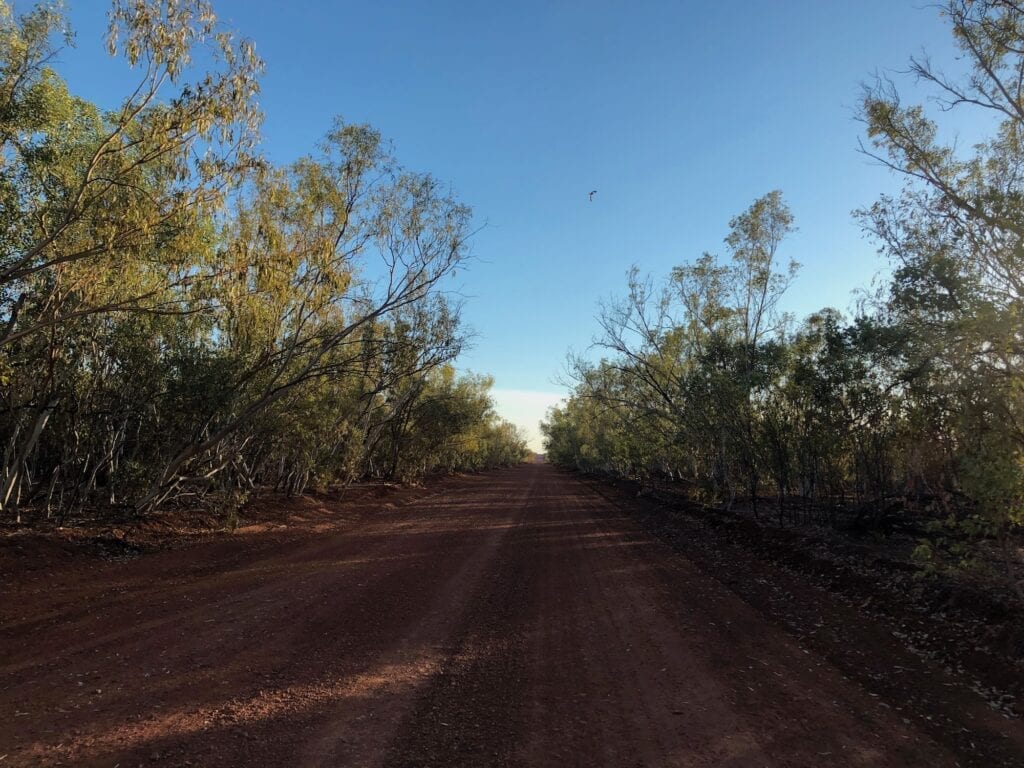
(679, 114)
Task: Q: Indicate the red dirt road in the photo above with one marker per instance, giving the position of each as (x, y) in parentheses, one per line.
(511, 618)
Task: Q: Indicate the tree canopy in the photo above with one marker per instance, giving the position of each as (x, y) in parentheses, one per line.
(916, 403)
(181, 319)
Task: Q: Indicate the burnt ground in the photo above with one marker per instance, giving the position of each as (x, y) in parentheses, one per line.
(518, 617)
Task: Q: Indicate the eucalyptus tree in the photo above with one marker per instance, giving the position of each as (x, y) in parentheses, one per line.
(451, 425)
(688, 357)
(956, 237)
(111, 210)
(178, 316)
(108, 211)
(315, 254)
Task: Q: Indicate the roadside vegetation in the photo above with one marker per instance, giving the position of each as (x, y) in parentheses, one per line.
(182, 320)
(910, 413)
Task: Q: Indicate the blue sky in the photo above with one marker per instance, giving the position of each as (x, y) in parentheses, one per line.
(679, 113)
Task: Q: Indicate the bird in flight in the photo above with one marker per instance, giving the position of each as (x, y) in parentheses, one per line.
(591, 196)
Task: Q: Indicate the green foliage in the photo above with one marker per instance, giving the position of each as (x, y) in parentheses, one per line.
(914, 407)
(955, 238)
(691, 363)
(180, 319)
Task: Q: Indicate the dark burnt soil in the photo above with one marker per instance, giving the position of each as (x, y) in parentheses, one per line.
(878, 617)
(511, 618)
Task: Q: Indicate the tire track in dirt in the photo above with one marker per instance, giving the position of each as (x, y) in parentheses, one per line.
(579, 654)
(251, 666)
(517, 618)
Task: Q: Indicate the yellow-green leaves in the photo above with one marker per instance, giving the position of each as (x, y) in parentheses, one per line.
(172, 306)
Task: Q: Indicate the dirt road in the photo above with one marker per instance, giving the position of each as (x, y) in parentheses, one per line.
(511, 618)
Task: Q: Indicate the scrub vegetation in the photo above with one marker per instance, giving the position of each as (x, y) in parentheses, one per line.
(182, 320)
(910, 413)
(756, 541)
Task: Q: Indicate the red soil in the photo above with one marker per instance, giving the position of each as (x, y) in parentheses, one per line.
(512, 618)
